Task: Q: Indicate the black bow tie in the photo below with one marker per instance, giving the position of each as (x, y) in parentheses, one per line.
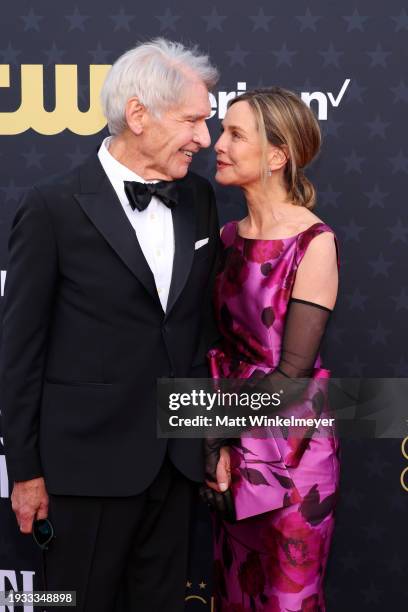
(140, 194)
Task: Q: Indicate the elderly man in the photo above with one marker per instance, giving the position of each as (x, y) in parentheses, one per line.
(109, 289)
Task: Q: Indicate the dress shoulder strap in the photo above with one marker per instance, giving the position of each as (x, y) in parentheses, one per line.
(305, 238)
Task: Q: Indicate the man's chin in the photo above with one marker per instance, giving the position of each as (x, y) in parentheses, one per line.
(180, 173)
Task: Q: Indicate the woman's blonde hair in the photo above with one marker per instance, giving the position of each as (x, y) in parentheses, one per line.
(285, 121)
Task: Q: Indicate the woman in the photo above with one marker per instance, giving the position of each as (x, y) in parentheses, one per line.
(274, 293)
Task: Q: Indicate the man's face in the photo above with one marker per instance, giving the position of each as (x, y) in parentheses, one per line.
(169, 142)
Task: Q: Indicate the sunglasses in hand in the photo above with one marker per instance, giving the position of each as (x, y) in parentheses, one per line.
(43, 533)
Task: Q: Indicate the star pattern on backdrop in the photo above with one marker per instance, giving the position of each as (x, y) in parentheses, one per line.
(237, 55)
(355, 21)
(54, 55)
(122, 21)
(100, 55)
(32, 21)
(353, 162)
(401, 21)
(77, 156)
(168, 20)
(395, 565)
(214, 21)
(261, 21)
(329, 197)
(76, 20)
(371, 594)
(379, 334)
(284, 56)
(376, 466)
(378, 57)
(350, 562)
(400, 92)
(331, 127)
(377, 127)
(352, 230)
(356, 299)
(355, 367)
(308, 21)
(399, 231)
(353, 500)
(354, 92)
(9, 55)
(33, 158)
(401, 300)
(398, 502)
(337, 334)
(331, 57)
(380, 265)
(400, 368)
(399, 162)
(376, 197)
(12, 192)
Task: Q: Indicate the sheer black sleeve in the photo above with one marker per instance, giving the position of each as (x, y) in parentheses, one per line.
(305, 325)
(304, 329)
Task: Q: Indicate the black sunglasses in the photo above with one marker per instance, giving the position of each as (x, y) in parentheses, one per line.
(43, 532)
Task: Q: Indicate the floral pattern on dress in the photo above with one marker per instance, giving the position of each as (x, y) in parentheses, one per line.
(284, 483)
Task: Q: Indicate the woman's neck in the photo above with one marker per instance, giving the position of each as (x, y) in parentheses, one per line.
(267, 206)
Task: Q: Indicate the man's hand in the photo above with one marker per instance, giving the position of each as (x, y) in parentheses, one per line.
(29, 501)
(223, 472)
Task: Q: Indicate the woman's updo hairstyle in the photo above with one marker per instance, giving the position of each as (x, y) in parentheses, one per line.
(284, 120)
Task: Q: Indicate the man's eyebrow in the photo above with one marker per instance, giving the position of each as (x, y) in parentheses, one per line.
(195, 117)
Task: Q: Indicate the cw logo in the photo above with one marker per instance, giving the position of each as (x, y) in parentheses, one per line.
(31, 112)
(404, 477)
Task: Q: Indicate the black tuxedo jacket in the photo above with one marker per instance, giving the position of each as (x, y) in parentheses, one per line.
(84, 336)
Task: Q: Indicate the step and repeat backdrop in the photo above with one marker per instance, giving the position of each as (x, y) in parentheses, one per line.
(347, 60)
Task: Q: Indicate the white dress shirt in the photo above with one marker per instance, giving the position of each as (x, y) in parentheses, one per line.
(153, 226)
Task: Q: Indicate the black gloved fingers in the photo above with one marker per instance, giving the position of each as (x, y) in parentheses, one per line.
(219, 503)
(229, 514)
(207, 496)
(222, 503)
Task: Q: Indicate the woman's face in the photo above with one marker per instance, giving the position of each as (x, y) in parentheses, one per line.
(238, 149)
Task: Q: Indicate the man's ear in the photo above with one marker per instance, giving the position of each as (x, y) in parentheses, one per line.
(135, 113)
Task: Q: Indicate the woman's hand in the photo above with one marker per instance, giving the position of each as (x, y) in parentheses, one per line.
(222, 472)
(216, 492)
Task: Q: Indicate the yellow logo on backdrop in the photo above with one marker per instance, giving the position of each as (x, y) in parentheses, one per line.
(404, 473)
(66, 115)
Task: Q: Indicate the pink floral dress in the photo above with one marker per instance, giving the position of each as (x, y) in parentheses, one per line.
(284, 485)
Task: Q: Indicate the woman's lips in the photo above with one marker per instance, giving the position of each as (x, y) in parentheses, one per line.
(221, 165)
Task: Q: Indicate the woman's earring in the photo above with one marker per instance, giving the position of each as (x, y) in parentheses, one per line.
(269, 173)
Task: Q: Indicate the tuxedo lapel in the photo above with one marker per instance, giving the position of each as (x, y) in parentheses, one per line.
(100, 203)
(184, 232)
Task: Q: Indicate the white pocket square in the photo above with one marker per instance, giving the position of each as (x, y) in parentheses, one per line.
(200, 243)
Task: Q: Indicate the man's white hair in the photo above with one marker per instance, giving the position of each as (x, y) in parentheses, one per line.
(156, 73)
